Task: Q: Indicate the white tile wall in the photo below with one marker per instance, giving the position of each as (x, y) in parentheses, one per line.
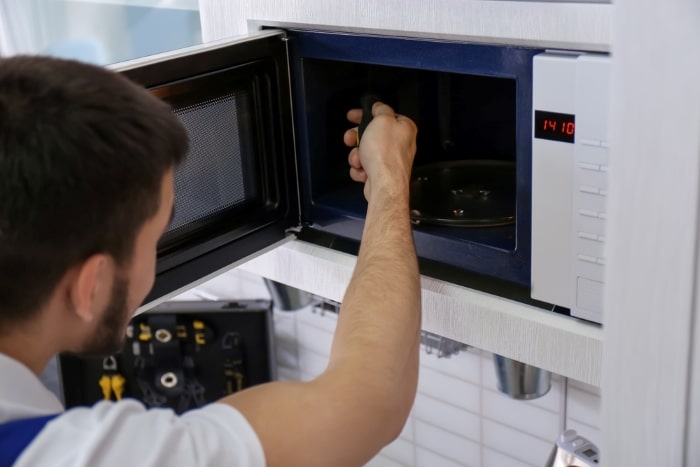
(400, 451)
(496, 459)
(383, 461)
(426, 458)
(459, 418)
(515, 443)
(449, 389)
(453, 419)
(520, 415)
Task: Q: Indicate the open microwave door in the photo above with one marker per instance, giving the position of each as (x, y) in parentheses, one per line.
(236, 193)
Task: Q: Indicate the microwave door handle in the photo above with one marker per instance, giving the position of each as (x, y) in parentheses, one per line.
(366, 101)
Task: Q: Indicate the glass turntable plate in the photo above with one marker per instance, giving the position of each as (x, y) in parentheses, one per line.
(469, 193)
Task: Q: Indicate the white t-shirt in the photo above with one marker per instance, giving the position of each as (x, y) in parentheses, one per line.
(124, 433)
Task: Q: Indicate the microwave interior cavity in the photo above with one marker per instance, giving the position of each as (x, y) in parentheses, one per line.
(464, 167)
(470, 187)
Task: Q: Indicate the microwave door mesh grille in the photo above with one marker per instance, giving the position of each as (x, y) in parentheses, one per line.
(212, 178)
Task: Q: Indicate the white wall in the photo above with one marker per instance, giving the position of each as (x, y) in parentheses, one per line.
(101, 32)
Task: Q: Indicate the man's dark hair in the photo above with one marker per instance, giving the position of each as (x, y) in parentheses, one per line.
(83, 152)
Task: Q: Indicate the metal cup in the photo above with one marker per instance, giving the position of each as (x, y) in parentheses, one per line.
(520, 380)
(287, 298)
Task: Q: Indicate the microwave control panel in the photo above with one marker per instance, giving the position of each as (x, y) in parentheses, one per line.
(569, 189)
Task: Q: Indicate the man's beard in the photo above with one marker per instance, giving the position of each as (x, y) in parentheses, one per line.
(110, 333)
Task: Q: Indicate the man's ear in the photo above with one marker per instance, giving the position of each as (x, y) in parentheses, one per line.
(90, 288)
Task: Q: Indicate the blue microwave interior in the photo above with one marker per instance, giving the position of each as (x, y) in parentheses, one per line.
(471, 102)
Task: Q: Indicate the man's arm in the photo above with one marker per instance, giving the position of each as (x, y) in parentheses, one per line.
(361, 401)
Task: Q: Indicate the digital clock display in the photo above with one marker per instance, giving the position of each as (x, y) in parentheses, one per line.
(555, 126)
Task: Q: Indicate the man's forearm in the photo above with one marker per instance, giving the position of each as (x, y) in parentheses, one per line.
(379, 323)
(365, 394)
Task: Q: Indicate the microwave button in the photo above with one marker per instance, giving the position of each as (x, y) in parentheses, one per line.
(589, 189)
(590, 248)
(604, 168)
(591, 154)
(589, 142)
(593, 178)
(589, 166)
(594, 203)
(600, 261)
(589, 224)
(588, 213)
(603, 192)
(588, 259)
(588, 236)
(604, 144)
(593, 271)
(602, 215)
(589, 294)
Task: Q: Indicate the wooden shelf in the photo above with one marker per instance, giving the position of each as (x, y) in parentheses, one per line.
(532, 335)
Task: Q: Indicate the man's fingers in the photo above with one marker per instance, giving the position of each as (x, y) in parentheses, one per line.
(350, 137)
(358, 175)
(380, 108)
(354, 159)
(355, 116)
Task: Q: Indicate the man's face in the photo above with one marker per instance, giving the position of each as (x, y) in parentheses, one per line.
(132, 284)
(108, 337)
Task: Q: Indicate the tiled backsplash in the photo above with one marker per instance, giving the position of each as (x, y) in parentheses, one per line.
(459, 418)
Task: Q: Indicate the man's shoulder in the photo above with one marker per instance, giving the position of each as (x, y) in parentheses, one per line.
(117, 432)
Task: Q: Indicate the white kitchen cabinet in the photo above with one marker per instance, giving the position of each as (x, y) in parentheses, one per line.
(564, 345)
(584, 26)
(651, 363)
(651, 360)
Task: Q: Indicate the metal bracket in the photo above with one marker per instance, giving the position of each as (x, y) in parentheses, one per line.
(324, 305)
(443, 346)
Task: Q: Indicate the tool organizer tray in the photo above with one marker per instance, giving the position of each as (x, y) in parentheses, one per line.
(180, 355)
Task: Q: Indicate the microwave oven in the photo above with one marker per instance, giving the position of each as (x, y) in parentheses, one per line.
(569, 180)
(266, 113)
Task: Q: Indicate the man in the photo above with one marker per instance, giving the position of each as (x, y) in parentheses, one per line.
(86, 190)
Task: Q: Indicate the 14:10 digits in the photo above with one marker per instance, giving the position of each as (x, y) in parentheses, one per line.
(566, 127)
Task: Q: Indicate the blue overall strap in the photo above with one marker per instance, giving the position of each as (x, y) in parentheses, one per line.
(16, 435)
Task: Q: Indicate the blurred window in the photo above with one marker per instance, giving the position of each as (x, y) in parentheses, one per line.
(98, 31)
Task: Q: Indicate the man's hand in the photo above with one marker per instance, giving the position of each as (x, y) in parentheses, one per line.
(385, 154)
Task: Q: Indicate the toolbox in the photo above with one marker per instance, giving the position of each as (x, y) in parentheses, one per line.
(180, 355)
